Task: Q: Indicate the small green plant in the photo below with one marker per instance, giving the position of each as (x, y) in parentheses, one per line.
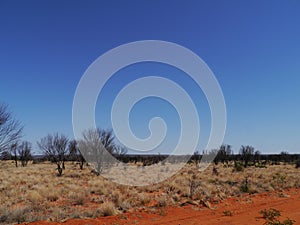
(261, 165)
(279, 179)
(244, 188)
(238, 166)
(245, 185)
(271, 216)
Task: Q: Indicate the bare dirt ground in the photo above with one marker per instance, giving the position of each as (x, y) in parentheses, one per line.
(242, 210)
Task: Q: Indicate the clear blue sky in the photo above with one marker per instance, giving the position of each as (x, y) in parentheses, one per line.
(253, 48)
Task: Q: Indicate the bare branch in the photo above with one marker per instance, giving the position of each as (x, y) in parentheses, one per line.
(10, 128)
(24, 152)
(55, 148)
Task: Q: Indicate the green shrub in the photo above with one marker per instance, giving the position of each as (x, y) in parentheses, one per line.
(238, 166)
(245, 185)
(271, 216)
(244, 188)
(260, 165)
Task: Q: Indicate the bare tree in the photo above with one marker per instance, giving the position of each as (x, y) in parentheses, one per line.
(224, 153)
(96, 146)
(55, 148)
(284, 156)
(10, 128)
(247, 154)
(24, 152)
(107, 139)
(75, 153)
(257, 156)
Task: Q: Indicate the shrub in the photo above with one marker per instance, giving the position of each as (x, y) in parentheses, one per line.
(261, 165)
(108, 209)
(162, 202)
(17, 215)
(52, 196)
(238, 166)
(125, 206)
(271, 216)
(245, 186)
(77, 198)
(3, 214)
(279, 179)
(144, 198)
(227, 213)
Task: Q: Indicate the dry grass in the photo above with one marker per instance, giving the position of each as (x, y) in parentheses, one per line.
(30, 193)
(108, 209)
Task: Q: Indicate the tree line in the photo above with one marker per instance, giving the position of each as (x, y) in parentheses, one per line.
(97, 145)
(57, 148)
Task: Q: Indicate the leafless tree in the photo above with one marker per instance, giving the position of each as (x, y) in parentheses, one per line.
(24, 152)
(247, 154)
(96, 146)
(75, 153)
(10, 128)
(55, 148)
(257, 156)
(224, 153)
(107, 139)
(284, 156)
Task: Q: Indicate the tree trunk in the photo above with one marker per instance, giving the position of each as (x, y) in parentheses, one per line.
(59, 169)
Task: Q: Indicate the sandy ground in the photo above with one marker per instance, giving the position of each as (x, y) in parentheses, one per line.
(244, 210)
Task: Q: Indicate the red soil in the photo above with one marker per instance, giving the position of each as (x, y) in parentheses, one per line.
(244, 210)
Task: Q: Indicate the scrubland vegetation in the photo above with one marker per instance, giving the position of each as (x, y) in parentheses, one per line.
(36, 192)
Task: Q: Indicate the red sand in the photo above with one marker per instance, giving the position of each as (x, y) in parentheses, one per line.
(245, 211)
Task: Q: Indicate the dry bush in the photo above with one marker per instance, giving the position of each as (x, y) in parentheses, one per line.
(125, 206)
(16, 215)
(51, 195)
(108, 209)
(57, 214)
(144, 199)
(77, 198)
(162, 201)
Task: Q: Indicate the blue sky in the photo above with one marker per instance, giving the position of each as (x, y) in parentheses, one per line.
(251, 46)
